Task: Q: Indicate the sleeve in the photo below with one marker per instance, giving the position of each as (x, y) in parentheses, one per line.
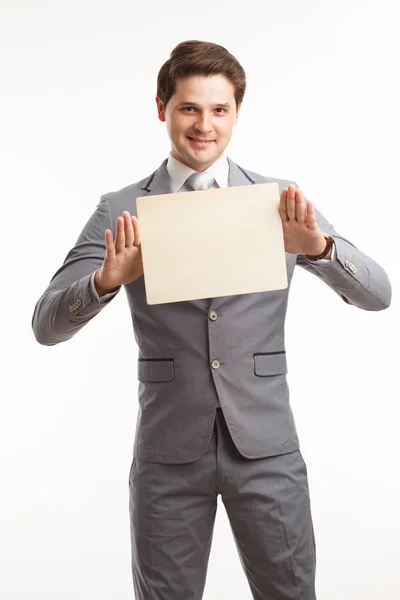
(68, 304)
(353, 275)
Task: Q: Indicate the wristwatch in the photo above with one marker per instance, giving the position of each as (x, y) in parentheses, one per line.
(329, 243)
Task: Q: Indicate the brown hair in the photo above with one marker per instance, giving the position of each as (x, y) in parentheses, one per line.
(199, 58)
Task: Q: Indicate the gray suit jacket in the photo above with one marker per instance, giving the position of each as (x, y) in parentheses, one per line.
(178, 388)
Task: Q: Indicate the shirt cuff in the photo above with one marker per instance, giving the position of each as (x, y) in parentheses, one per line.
(94, 294)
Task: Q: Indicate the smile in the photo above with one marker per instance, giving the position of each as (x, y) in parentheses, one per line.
(199, 140)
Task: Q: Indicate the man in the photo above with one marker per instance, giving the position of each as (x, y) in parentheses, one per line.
(214, 414)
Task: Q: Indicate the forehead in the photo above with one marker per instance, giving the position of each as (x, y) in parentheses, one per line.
(198, 88)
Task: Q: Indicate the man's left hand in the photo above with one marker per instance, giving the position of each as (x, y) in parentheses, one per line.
(300, 229)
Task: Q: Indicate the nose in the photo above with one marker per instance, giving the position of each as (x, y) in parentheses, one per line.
(203, 123)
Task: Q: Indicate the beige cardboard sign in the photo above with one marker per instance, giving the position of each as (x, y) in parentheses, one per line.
(206, 244)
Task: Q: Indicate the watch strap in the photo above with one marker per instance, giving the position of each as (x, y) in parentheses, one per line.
(329, 243)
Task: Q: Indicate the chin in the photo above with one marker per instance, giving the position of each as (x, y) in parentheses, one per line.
(197, 158)
(204, 155)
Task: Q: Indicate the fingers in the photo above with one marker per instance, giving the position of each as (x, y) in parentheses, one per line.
(283, 206)
(136, 231)
(311, 217)
(300, 207)
(127, 232)
(291, 203)
(110, 250)
(129, 235)
(292, 207)
(120, 235)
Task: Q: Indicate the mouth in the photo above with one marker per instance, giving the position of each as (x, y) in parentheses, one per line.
(200, 141)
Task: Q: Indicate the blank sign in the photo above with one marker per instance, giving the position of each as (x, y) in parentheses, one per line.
(206, 244)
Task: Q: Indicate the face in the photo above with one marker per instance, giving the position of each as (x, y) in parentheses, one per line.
(200, 117)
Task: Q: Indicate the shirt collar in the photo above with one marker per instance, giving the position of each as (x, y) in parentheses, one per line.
(179, 172)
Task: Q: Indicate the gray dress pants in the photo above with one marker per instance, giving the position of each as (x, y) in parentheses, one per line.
(172, 514)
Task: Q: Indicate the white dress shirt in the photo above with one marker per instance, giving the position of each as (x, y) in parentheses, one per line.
(179, 173)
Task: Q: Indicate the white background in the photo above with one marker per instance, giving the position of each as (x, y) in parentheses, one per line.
(78, 119)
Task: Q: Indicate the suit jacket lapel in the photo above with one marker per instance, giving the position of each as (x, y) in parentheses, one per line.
(159, 182)
(238, 176)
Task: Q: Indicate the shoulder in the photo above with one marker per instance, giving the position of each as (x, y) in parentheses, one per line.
(129, 191)
(125, 197)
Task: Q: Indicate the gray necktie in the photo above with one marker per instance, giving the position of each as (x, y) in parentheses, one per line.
(200, 181)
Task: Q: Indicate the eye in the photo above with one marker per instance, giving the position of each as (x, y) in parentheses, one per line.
(189, 108)
(223, 110)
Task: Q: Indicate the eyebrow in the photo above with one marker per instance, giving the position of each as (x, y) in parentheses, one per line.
(224, 105)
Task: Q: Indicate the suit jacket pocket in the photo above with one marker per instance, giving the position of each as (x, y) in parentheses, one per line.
(267, 364)
(156, 369)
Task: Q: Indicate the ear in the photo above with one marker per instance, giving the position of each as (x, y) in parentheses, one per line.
(237, 113)
(160, 109)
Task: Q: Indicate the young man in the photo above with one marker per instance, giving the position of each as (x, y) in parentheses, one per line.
(214, 415)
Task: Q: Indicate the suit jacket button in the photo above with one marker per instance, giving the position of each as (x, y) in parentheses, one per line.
(352, 267)
(215, 364)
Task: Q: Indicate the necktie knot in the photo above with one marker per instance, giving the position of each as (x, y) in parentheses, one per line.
(200, 181)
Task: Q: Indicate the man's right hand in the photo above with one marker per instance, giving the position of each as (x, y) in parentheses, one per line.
(123, 259)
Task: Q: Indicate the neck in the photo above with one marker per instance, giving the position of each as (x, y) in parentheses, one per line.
(195, 167)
